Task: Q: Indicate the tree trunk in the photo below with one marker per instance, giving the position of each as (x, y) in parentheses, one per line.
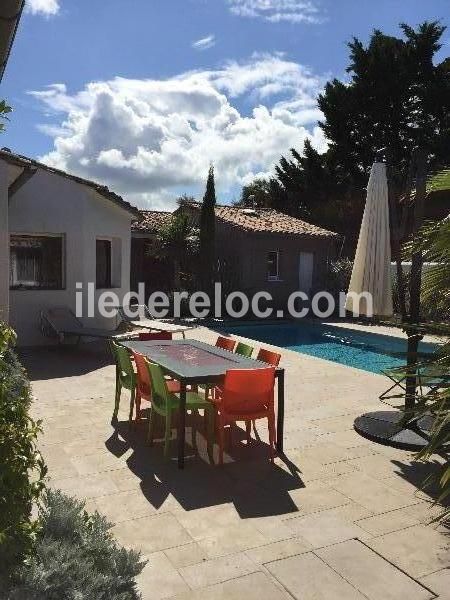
(415, 285)
(176, 275)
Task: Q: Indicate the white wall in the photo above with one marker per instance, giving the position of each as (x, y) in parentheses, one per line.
(48, 203)
(4, 243)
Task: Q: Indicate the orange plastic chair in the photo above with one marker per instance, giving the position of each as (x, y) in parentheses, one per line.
(269, 357)
(247, 395)
(143, 383)
(154, 335)
(225, 343)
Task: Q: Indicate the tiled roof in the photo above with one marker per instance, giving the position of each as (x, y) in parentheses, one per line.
(24, 161)
(151, 221)
(267, 220)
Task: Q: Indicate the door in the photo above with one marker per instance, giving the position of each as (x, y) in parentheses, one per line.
(305, 271)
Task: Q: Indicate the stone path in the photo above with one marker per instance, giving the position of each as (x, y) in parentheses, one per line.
(340, 518)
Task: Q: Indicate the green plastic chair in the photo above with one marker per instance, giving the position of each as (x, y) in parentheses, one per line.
(125, 378)
(164, 403)
(244, 350)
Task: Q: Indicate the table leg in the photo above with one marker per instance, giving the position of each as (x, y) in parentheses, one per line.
(182, 425)
(280, 417)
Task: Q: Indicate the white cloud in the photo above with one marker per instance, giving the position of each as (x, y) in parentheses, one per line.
(275, 11)
(42, 7)
(205, 43)
(153, 139)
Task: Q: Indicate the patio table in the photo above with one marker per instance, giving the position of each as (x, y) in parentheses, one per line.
(193, 362)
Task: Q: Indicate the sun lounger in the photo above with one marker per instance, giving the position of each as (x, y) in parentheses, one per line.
(142, 318)
(62, 322)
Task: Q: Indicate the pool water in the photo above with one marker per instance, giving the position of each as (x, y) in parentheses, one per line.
(370, 352)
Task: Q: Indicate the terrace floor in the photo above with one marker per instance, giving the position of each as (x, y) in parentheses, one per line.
(339, 518)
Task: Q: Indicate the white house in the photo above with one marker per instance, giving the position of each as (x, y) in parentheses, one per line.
(56, 231)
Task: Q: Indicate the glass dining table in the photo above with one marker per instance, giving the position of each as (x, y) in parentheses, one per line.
(193, 362)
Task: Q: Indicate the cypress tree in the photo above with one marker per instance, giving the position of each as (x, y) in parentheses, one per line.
(207, 235)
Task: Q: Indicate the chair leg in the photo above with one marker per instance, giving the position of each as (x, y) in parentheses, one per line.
(272, 435)
(221, 439)
(255, 431)
(248, 430)
(230, 436)
(151, 426)
(194, 430)
(210, 421)
(130, 416)
(137, 404)
(117, 399)
(167, 434)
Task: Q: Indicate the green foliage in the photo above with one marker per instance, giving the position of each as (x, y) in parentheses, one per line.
(339, 275)
(22, 469)
(397, 98)
(255, 194)
(439, 182)
(208, 234)
(433, 241)
(4, 110)
(400, 107)
(177, 241)
(76, 557)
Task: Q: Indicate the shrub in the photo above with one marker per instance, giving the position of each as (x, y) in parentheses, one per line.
(76, 557)
(339, 274)
(21, 467)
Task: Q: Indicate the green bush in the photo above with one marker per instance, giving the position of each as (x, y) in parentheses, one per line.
(76, 557)
(21, 467)
(339, 274)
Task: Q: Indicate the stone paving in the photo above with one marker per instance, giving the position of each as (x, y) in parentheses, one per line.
(338, 518)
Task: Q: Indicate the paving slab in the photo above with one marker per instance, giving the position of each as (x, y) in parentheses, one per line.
(278, 550)
(371, 493)
(256, 586)
(307, 577)
(371, 574)
(317, 496)
(217, 570)
(232, 539)
(387, 522)
(322, 529)
(439, 583)
(186, 555)
(418, 550)
(160, 579)
(150, 534)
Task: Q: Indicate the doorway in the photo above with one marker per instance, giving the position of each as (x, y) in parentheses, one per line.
(305, 272)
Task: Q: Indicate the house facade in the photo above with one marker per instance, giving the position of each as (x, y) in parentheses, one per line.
(261, 249)
(59, 233)
(257, 250)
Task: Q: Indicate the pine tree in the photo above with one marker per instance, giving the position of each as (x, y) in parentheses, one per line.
(207, 235)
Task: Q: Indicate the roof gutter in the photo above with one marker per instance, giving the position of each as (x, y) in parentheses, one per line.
(10, 13)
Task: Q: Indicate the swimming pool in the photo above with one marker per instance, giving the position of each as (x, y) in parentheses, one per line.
(354, 348)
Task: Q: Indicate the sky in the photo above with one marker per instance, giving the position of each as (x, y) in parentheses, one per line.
(144, 95)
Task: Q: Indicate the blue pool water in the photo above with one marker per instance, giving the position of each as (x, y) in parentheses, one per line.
(367, 351)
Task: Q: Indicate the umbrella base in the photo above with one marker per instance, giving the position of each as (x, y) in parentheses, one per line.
(385, 427)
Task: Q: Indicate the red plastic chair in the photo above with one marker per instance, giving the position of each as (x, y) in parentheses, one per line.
(269, 357)
(247, 395)
(225, 343)
(143, 384)
(154, 336)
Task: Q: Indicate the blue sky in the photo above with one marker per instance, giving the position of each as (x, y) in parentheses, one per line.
(148, 92)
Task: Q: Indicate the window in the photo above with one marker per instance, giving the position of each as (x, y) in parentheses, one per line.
(103, 264)
(36, 262)
(273, 266)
